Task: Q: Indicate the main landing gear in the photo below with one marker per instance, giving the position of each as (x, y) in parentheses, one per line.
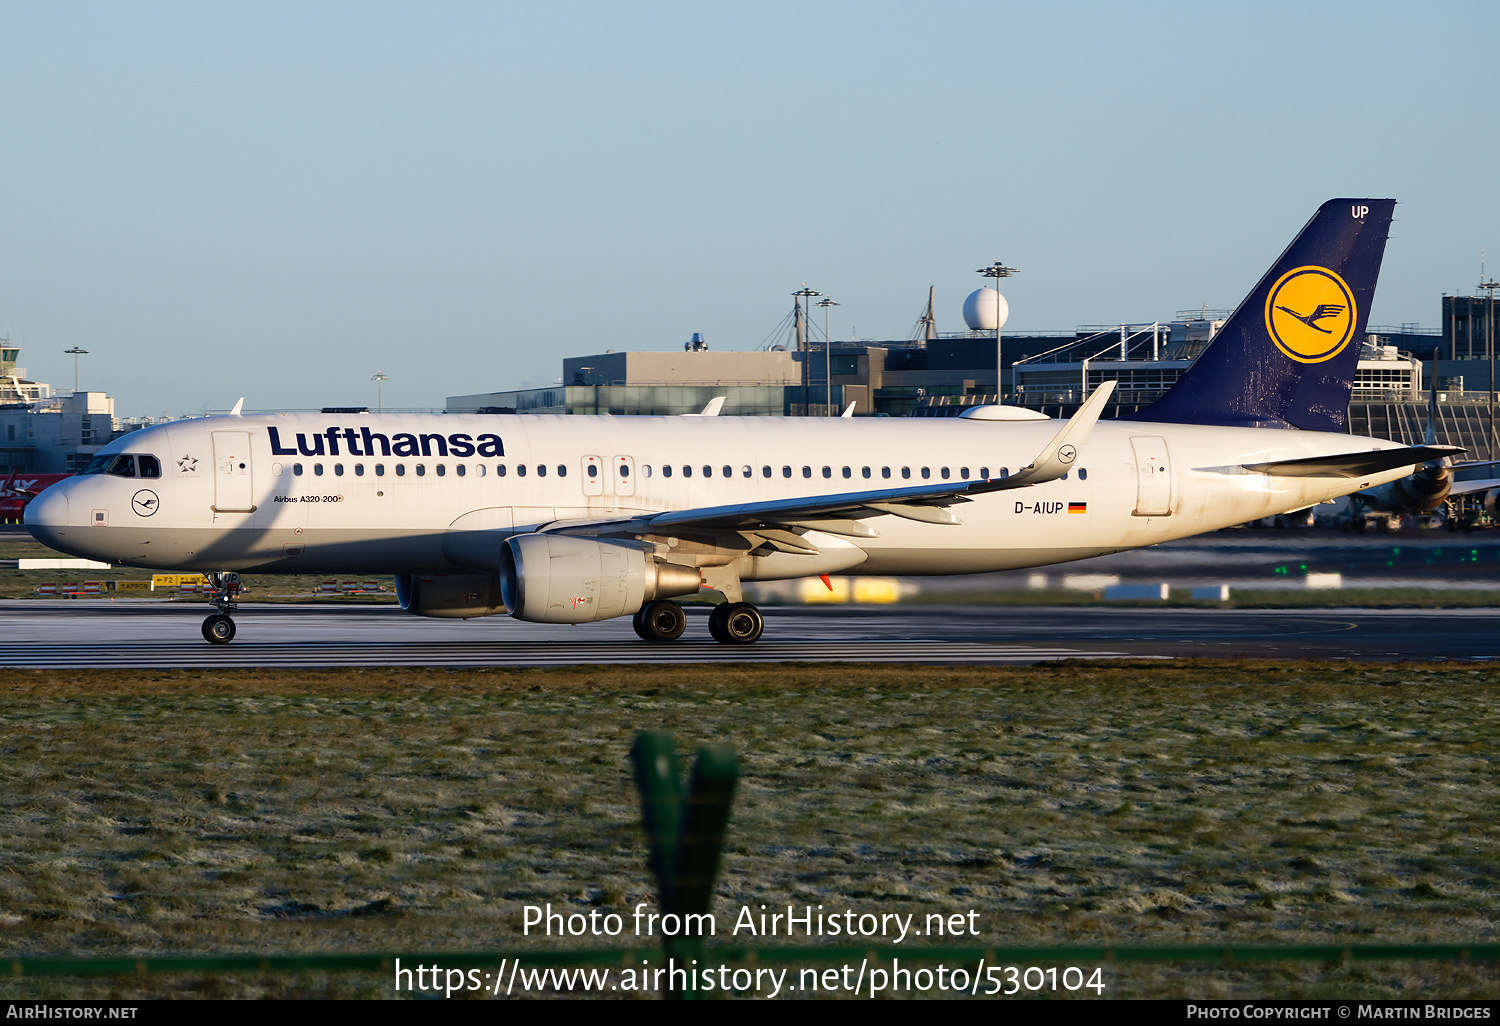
(218, 629)
(733, 623)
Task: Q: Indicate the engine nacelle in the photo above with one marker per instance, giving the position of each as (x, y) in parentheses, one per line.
(557, 578)
(458, 596)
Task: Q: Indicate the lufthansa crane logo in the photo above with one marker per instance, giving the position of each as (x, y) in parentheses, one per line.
(144, 502)
(1310, 314)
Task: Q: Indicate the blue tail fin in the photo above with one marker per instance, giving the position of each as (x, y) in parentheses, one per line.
(1286, 358)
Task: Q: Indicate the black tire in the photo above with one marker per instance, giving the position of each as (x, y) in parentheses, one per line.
(716, 624)
(660, 621)
(742, 624)
(218, 629)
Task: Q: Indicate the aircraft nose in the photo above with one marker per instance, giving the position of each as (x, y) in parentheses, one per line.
(46, 514)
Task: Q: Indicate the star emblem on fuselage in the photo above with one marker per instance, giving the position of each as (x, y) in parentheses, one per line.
(188, 465)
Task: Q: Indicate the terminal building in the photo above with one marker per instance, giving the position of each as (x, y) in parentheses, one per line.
(44, 433)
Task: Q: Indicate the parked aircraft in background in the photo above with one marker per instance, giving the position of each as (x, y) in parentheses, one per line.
(18, 489)
(572, 519)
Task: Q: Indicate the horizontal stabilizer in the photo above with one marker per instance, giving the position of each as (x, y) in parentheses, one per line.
(1356, 464)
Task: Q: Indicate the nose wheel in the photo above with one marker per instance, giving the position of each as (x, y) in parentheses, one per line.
(218, 629)
(736, 623)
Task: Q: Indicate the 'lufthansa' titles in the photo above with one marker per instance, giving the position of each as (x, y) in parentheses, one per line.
(364, 442)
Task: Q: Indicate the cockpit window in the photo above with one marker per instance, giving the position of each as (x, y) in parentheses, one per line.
(150, 466)
(97, 465)
(122, 466)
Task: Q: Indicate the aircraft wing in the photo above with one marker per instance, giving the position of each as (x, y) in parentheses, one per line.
(1470, 487)
(923, 503)
(1356, 464)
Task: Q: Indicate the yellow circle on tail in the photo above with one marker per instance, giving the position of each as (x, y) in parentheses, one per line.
(1310, 314)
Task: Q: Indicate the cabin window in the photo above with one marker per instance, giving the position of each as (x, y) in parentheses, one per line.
(1004, 473)
(421, 470)
(593, 470)
(500, 470)
(944, 473)
(963, 472)
(765, 471)
(906, 472)
(401, 470)
(786, 471)
(541, 470)
(338, 470)
(479, 470)
(149, 466)
(359, 470)
(459, 470)
(380, 470)
(848, 472)
(807, 471)
(666, 470)
(864, 472)
(885, 472)
(1083, 475)
(276, 470)
(728, 471)
(562, 470)
(926, 473)
(318, 469)
(687, 471)
(708, 471)
(441, 470)
(827, 471)
(297, 469)
(520, 470)
(745, 470)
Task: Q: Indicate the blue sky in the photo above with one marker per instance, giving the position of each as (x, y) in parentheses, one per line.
(277, 201)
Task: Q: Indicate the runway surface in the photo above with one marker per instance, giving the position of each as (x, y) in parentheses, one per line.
(127, 634)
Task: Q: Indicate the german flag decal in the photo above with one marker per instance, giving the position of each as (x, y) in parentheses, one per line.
(1078, 507)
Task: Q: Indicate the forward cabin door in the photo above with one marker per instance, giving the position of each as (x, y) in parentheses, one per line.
(1153, 476)
(233, 486)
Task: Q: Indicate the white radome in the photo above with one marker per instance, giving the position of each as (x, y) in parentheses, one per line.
(985, 310)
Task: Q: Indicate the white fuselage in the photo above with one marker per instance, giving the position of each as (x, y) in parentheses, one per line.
(226, 501)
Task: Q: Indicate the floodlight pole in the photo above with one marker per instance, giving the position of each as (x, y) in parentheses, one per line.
(1489, 344)
(806, 293)
(76, 352)
(997, 270)
(380, 380)
(827, 354)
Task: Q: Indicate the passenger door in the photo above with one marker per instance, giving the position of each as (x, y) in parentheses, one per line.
(1153, 476)
(234, 490)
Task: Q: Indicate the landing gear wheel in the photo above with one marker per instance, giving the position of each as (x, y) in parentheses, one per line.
(660, 621)
(736, 623)
(218, 629)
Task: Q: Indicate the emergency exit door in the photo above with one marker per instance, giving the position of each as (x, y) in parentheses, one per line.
(1153, 476)
(233, 486)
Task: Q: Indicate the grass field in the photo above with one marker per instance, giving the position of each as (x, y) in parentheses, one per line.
(1215, 803)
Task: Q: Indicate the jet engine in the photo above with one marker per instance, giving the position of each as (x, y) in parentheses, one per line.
(556, 578)
(457, 596)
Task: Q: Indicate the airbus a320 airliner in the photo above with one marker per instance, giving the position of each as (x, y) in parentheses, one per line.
(572, 519)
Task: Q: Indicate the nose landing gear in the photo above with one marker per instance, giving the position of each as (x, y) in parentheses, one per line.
(218, 629)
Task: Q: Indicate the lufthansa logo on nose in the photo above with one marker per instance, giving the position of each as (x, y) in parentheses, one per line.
(1310, 314)
(144, 502)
